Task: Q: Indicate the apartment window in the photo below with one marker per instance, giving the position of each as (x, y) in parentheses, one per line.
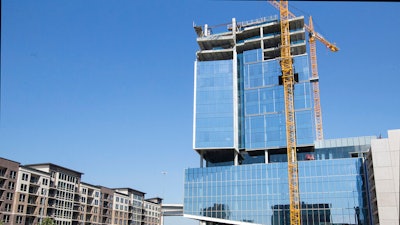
(9, 196)
(43, 191)
(25, 176)
(7, 207)
(19, 219)
(97, 194)
(11, 185)
(6, 218)
(20, 208)
(84, 191)
(45, 181)
(13, 174)
(21, 197)
(24, 187)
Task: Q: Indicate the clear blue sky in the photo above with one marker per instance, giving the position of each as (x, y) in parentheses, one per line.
(106, 87)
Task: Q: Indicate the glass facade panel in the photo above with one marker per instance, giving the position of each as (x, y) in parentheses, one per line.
(331, 192)
(214, 104)
(264, 102)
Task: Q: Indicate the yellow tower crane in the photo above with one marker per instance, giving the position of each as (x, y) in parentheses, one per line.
(314, 68)
(288, 87)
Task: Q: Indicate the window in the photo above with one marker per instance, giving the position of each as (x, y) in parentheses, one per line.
(6, 218)
(24, 187)
(21, 197)
(9, 196)
(45, 181)
(20, 208)
(25, 176)
(97, 194)
(96, 202)
(13, 174)
(19, 219)
(84, 191)
(7, 207)
(11, 185)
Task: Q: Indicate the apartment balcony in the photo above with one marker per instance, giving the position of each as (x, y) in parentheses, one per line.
(33, 190)
(89, 208)
(90, 192)
(52, 186)
(31, 220)
(32, 210)
(50, 212)
(3, 172)
(32, 200)
(34, 181)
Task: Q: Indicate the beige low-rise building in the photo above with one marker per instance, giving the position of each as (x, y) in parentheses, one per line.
(383, 175)
(31, 193)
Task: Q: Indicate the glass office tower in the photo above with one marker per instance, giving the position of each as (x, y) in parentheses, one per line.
(240, 135)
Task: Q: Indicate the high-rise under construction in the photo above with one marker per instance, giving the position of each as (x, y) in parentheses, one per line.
(240, 135)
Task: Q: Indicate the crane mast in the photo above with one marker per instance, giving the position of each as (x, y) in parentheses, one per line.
(288, 85)
(314, 68)
(315, 83)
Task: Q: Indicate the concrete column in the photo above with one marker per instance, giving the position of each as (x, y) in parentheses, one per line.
(236, 158)
(235, 91)
(201, 159)
(262, 42)
(266, 156)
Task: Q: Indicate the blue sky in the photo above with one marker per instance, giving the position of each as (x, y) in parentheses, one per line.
(106, 87)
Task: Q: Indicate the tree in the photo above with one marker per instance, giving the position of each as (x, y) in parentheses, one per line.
(47, 221)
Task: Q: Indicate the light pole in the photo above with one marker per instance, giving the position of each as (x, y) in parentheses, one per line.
(164, 173)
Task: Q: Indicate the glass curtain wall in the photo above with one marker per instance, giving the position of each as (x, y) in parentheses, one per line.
(214, 104)
(264, 108)
(331, 192)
